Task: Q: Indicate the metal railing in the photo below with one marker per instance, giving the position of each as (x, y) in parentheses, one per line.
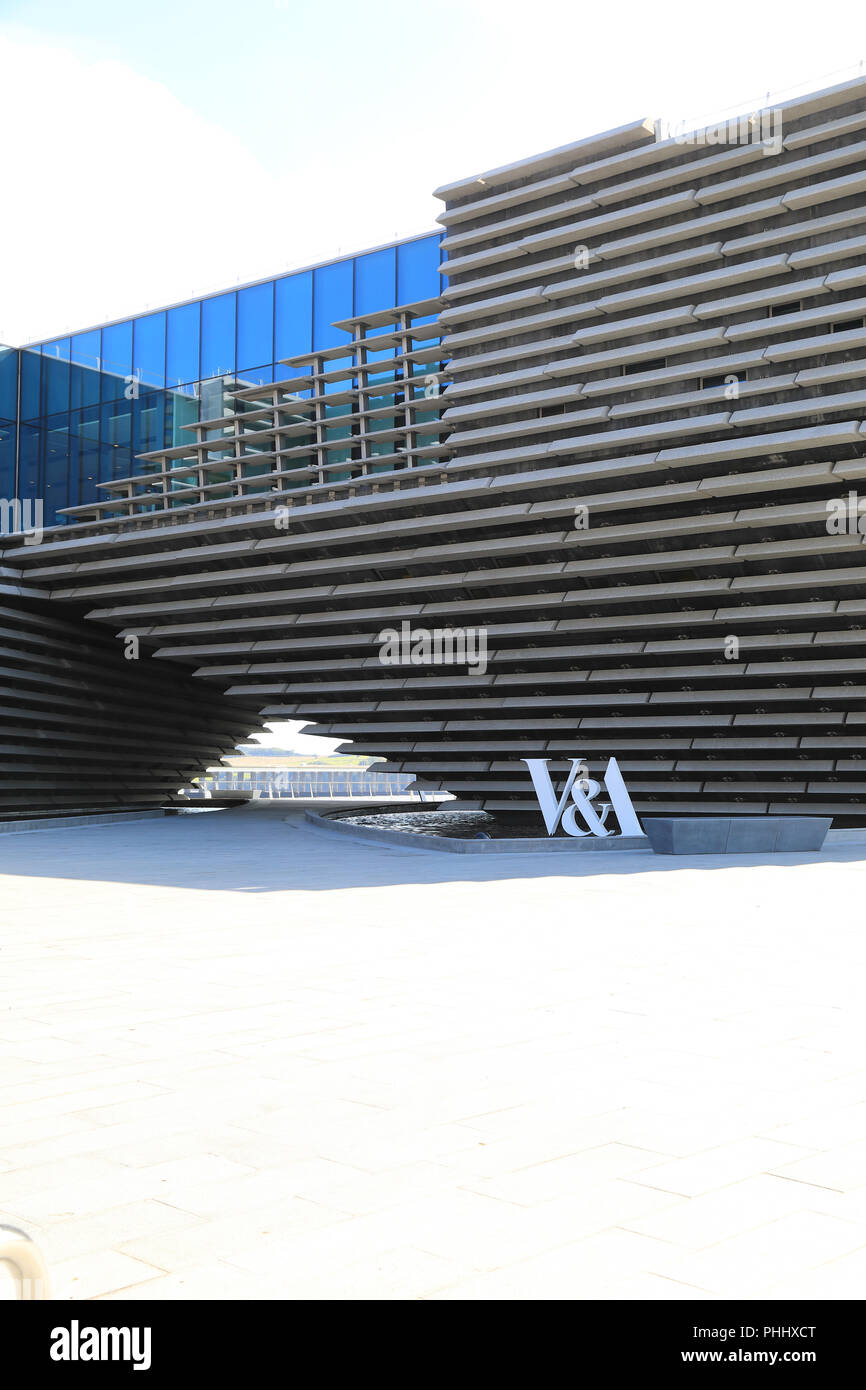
(303, 784)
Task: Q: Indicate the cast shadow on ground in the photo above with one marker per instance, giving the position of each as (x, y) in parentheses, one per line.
(264, 848)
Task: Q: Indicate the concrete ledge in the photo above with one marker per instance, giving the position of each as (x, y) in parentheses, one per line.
(845, 837)
(735, 834)
(61, 822)
(566, 844)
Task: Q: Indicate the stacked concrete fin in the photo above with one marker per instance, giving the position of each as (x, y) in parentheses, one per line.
(85, 729)
(637, 483)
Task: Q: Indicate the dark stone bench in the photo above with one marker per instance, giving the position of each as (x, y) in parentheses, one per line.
(735, 834)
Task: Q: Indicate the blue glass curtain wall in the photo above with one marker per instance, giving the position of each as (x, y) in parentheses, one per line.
(91, 402)
(9, 369)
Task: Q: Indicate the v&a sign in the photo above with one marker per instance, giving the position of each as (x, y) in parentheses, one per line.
(583, 790)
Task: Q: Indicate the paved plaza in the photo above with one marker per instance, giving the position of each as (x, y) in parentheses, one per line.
(245, 1057)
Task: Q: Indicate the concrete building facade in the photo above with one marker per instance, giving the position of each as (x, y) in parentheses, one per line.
(620, 454)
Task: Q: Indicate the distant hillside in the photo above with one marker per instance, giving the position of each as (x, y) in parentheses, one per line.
(253, 755)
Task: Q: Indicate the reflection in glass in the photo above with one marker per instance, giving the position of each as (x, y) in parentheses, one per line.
(375, 281)
(99, 397)
(116, 358)
(218, 335)
(148, 349)
(255, 326)
(418, 270)
(181, 346)
(293, 317)
(332, 299)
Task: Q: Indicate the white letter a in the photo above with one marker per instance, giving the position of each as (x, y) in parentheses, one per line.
(60, 1344)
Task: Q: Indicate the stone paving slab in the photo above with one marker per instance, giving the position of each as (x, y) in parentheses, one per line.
(242, 1057)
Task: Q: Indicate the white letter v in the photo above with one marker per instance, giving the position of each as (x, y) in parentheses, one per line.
(551, 809)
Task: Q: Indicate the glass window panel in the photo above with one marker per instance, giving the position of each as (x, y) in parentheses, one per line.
(218, 336)
(255, 326)
(376, 281)
(29, 437)
(214, 402)
(148, 349)
(332, 299)
(114, 462)
(381, 364)
(7, 460)
(182, 410)
(55, 384)
(182, 344)
(257, 376)
(84, 349)
(56, 468)
(31, 363)
(116, 359)
(83, 386)
(293, 317)
(58, 347)
(8, 384)
(418, 270)
(84, 376)
(117, 423)
(88, 457)
(148, 423)
(343, 383)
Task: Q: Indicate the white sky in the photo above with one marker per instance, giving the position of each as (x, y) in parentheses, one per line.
(285, 735)
(154, 151)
